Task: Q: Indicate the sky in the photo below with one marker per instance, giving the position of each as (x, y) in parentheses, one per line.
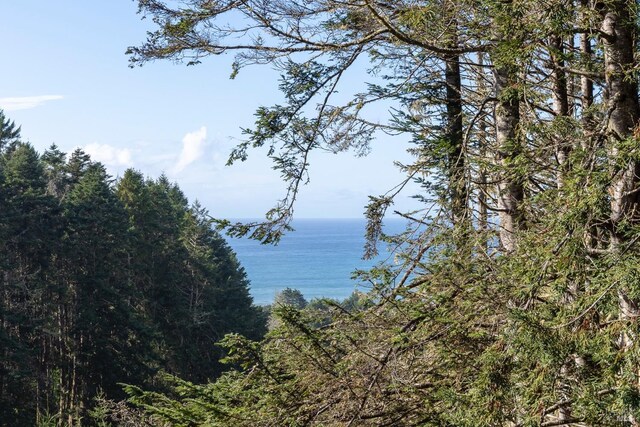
(65, 79)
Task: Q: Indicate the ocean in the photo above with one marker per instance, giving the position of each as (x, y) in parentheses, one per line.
(318, 259)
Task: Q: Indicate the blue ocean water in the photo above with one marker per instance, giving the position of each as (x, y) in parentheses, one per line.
(318, 259)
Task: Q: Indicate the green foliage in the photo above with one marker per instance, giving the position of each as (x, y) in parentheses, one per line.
(484, 340)
(103, 285)
(9, 133)
(514, 296)
(290, 297)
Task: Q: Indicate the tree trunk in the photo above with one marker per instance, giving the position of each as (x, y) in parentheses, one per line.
(483, 187)
(454, 134)
(623, 113)
(510, 186)
(510, 182)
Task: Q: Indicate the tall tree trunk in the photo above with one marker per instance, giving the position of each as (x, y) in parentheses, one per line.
(456, 166)
(510, 186)
(507, 121)
(623, 113)
(454, 132)
(483, 188)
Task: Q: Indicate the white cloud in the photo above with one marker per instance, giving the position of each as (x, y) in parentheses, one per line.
(109, 155)
(192, 148)
(26, 102)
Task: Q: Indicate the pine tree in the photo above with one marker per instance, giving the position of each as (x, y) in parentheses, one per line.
(30, 230)
(102, 285)
(9, 133)
(522, 315)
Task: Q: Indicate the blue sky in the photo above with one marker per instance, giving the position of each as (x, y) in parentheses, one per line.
(65, 79)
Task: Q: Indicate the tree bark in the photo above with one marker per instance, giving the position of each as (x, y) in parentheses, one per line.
(623, 113)
(456, 166)
(483, 187)
(510, 187)
(510, 182)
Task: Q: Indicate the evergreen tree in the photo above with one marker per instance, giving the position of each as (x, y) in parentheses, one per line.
(102, 285)
(55, 171)
(192, 286)
(290, 297)
(30, 229)
(9, 133)
(106, 339)
(515, 295)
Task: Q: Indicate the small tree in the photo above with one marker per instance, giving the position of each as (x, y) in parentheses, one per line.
(290, 297)
(9, 133)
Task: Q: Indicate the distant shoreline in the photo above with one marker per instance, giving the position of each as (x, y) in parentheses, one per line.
(317, 258)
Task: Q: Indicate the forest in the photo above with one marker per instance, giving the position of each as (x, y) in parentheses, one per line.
(104, 283)
(514, 295)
